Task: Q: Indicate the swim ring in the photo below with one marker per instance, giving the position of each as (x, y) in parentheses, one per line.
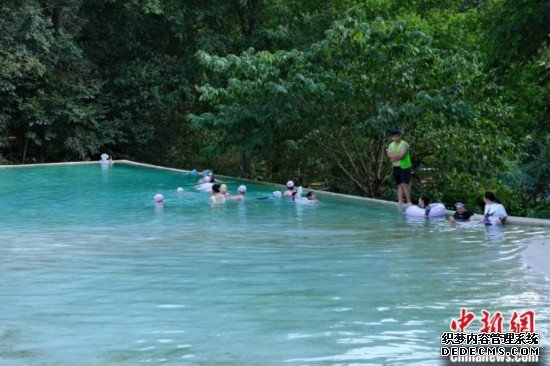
(437, 210)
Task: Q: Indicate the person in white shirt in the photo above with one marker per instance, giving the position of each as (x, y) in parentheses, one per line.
(494, 212)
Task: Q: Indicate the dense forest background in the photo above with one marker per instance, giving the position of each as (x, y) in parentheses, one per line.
(288, 89)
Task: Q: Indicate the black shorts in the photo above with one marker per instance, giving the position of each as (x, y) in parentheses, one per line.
(401, 175)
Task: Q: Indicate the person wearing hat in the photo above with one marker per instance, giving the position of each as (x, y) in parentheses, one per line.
(241, 192)
(289, 189)
(400, 157)
(461, 214)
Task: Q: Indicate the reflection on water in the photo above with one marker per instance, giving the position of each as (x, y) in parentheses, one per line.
(91, 269)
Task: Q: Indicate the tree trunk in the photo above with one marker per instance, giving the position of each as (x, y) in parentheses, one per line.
(25, 150)
(245, 167)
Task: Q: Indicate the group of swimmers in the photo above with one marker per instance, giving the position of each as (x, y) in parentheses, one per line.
(494, 212)
(219, 192)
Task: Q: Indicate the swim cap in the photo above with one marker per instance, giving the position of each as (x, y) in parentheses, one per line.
(180, 191)
(193, 172)
(290, 184)
(223, 187)
(277, 194)
(207, 179)
(158, 198)
(242, 189)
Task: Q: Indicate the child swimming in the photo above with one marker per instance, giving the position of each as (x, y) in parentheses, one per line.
(241, 193)
(216, 196)
(312, 197)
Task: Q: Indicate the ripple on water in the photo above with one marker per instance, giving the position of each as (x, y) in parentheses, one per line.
(170, 306)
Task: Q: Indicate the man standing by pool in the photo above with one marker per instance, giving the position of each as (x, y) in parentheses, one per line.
(398, 153)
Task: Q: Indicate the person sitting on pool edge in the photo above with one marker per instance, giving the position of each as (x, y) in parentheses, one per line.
(461, 214)
(241, 192)
(289, 189)
(216, 197)
(494, 212)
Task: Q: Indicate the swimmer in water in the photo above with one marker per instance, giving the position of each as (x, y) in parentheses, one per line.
(461, 214)
(159, 199)
(205, 180)
(213, 179)
(424, 202)
(312, 197)
(223, 190)
(494, 212)
(216, 197)
(290, 191)
(241, 193)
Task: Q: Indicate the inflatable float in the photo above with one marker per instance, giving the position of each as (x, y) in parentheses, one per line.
(437, 210)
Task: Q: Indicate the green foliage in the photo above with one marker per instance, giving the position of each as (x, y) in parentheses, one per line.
(48, 98)
(348, 90)
(516, 29)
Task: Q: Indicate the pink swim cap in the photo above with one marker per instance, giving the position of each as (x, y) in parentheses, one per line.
(158, 198)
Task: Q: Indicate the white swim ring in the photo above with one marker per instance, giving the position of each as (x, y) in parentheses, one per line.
(437, 210)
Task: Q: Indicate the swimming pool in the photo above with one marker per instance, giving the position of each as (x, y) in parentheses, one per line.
(92, 272)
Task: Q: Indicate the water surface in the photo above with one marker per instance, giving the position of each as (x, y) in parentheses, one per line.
(93, 272)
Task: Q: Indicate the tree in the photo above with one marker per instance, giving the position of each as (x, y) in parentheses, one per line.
(348, 90)
(47, 105)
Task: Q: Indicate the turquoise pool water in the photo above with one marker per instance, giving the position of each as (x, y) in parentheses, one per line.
(93, 273)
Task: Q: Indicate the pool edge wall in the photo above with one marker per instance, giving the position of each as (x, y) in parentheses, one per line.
(511, 219)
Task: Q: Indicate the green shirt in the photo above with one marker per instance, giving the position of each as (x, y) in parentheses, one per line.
(405, 161)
